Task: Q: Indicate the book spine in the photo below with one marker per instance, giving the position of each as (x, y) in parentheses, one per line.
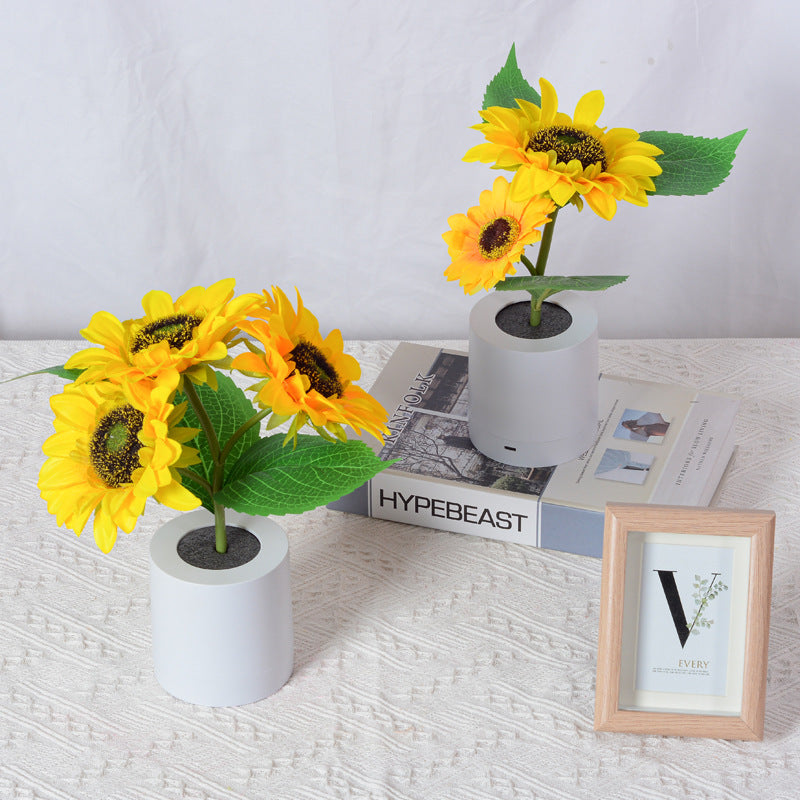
(456, 508)
(477, 512)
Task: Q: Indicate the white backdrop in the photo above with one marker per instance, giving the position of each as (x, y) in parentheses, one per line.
(163, 144)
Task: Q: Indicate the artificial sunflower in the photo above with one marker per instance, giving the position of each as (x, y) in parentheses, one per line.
(173, 339)
(303, 376)
(567, 159)
(110, 452)
(486, 242)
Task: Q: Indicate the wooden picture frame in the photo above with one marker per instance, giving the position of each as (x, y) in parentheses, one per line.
(650, 677)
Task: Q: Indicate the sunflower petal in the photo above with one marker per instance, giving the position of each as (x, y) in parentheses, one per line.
(104, 329)
(177, 496)
(485, 153)
(588, 110)
(105, 531)
(157, 304)
(637, 165)
(549, 103)
(562, 192)
(604, 205)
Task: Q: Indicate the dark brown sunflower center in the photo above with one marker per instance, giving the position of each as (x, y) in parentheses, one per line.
(497, 237)
(569, 143)
(177, 330)
(114, 447)
(310, 362)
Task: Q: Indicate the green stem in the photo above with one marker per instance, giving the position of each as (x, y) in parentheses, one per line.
(237, 434)
(192, 475)
(528, 265)
(544, 245)
(205, 421)
(220, 534)
(536, 313)
(541, 264)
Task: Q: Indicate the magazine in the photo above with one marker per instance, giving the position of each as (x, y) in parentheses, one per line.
(656, 443)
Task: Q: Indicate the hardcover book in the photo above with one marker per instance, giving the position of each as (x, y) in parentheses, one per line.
(655, 443)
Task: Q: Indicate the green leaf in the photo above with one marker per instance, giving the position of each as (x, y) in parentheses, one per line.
(228, 409)
(692, 164)
(59, 371)
(555, 283)
(509, 85)
(272, 479)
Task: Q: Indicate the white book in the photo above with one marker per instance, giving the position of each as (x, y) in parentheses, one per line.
(656, 443)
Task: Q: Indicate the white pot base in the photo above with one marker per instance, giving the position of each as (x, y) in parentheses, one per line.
(221, 637)
(532, 402)
(519, 453)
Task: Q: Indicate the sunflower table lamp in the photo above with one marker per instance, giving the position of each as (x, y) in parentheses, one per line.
(150, 413)
(533, 362)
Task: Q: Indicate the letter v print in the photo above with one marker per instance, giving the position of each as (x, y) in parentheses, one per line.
(676, 606)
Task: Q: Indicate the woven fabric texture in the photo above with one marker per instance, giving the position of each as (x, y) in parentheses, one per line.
(427, 664)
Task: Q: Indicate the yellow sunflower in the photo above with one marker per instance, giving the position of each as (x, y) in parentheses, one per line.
(567, 159)
(109, 454)
(485, 242)
(305, 376)
(173, 339)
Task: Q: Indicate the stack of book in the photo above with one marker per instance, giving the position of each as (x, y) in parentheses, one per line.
(656, 443)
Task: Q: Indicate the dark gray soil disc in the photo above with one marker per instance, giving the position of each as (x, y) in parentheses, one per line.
(197, 548)
(515, 320)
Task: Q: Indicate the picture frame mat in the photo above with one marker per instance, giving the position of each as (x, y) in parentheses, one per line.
(634, 699)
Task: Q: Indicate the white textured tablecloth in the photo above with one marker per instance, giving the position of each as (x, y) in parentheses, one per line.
(428, 664)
